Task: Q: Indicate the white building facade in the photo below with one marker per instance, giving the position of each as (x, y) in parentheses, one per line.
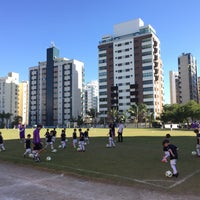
(130, 69)
(92, 95)
(174, 84)
(56, 90)
(9, 94)
(188, 83)
(23, 101)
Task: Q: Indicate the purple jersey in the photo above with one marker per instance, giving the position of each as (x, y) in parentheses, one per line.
(22, 132)
(36, 136)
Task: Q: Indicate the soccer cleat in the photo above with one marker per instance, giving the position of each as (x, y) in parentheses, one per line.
(175, 175)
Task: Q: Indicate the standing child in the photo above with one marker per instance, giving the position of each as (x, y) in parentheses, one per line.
(46, 134)
(86, 136)
(54, 132)
(81, 141)
(74, 136)
(27, 145)
(172, 149)
(22, 132)
(198, 142)
(2, 147)
(110, 139)
(63, 139)
(49, 141)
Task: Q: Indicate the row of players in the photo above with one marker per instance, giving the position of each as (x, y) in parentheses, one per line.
(50, 138)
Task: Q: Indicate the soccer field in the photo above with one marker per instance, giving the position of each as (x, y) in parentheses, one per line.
(136, 161)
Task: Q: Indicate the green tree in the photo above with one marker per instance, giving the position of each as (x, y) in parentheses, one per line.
(114, 114)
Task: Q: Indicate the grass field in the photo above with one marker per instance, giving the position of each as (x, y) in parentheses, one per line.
(136, 161)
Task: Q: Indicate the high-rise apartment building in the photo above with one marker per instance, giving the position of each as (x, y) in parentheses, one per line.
(23, 100)
(198, 79)
(130, 69)
(187, 68)
(56, 90)
(92, 95)
(174, 87)
(9, 95)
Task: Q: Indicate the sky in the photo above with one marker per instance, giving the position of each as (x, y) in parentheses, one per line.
(27, 29)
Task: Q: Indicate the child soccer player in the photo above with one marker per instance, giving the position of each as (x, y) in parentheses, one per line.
(54, 132)
(27, 145)
(166, 152)
(63, 139)
(198, 142)
(86, 136)
(81, 141)
(49, 141)
(2, 147)
(22, 132)
(172, 149)
(110, 139)
(74, 136)
(46, 134)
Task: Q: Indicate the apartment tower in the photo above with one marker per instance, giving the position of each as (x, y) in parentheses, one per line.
(130, 69)
(56, 90)
(187, 68)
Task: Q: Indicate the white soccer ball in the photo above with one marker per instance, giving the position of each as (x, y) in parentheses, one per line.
(107, 145)
(78, 149)
(31, 155)
(54, 151)
(194, 153)
(48, 158)
(168, 174)
(60, 146)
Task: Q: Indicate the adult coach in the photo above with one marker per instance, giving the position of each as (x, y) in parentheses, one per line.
(120, 132)
(37, 142)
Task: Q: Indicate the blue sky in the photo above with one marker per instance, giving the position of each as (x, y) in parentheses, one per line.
(76, 26)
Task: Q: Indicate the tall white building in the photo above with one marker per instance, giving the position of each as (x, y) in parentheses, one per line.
(92, 95)
(56, 90)
(130, 69)
(187, 68)
(174, 87)
(23, 101)
(9, 94)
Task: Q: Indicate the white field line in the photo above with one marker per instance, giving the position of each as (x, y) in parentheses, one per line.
(118, 176)
(184, 179)
(147, 182)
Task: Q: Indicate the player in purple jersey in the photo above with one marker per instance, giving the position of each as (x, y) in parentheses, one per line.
(22, 132)
(38, 148)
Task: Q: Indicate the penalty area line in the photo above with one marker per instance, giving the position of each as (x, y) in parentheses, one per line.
(184, 179)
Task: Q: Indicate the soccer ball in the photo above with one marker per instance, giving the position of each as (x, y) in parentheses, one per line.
(31, 155)
(78, 149)
(54, 151)
(48, 158)
(194, 153)
(168, 174)
(60, 146)
(107, 145)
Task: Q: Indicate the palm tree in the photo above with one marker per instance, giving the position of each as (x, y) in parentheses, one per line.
(92, 113)
(7, 117)
(138, 112)
(133, 110)
(114, 114)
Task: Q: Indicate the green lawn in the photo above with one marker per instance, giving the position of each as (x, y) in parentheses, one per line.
(136, 161)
